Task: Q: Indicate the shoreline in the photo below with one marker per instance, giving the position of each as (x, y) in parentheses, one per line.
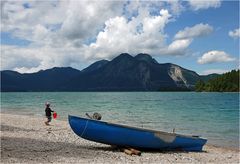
(42, 116)
(26, 139)
(126, 91)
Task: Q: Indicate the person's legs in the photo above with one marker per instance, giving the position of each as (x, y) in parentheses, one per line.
(48, 120)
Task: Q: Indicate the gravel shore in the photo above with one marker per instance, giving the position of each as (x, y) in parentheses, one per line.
(26, 139)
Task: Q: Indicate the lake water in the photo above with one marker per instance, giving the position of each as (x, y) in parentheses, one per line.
(214, 116)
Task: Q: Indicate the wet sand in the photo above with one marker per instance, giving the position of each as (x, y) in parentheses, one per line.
(26, 139)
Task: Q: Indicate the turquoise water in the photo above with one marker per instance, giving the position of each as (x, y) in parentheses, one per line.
(214, 116)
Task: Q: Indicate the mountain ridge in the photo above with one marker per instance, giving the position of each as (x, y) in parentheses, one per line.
(123, 73)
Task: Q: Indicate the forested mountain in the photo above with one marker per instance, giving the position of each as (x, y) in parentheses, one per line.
(228, 82)
(123, 73)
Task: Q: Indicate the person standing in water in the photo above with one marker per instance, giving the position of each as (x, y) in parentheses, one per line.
(48, 112)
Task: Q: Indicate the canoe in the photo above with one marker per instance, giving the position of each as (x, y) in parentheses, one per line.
(132, 137)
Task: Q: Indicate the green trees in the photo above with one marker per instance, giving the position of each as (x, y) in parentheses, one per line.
(200, 85)
(228, 82)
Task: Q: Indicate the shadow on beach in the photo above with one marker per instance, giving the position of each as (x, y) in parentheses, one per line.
(43, 150)
(26, 149)
(13, 128)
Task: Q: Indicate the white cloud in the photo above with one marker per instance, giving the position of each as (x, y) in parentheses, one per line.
(235, 33)
(215, 57)
(212, 71)
(143, 33)
(177, 47)
(13, 57)
(184, 38)
(176, 7)
(32, 59)
(22, 20)
(195, 31)
(75, 33)
(76, 19)
(56, 29)
(204, 4)
(80, 25)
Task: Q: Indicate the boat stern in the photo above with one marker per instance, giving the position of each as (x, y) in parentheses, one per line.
(195, 144)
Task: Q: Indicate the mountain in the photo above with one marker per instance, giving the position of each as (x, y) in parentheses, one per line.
(123, 73)
(205, 78)
(11, 81)
(227, 82)
(47, 80)
(145, 57)
(139, 73)
(95, 66)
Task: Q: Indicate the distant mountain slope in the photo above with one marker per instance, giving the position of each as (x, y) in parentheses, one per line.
(227, 82)
(47, 80)
(145, 57)
(95, 66)
(205, 78)
(123, 73)
(11, 81)
(139, 73)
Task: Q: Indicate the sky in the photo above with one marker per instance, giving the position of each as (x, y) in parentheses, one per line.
(202, 36)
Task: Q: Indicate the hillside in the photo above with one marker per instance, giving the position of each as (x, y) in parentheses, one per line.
(123, 73)
(47, 80)
(228, 82)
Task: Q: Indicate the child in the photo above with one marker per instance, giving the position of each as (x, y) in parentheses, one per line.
(48, 112)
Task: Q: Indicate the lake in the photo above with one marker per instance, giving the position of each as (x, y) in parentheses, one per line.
(214, 116)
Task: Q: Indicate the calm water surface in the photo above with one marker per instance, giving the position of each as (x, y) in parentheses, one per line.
(214, 116)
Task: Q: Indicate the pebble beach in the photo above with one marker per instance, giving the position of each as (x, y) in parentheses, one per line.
(26, 139)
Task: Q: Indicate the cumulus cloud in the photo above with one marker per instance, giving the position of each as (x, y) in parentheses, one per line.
(195, 31)
(11, 59)
(80, 25)
(235, 33)
(32, 59)
(75, 19)
(204, 4)
(184, 38)
(66, 44)
(57, 31)
(75, 33)
(143, 33)
(176, 7)
(215, 57)
(20, 20)
(177, 47)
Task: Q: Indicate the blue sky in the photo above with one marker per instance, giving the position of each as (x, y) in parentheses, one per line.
(223, 19)
(202, 36)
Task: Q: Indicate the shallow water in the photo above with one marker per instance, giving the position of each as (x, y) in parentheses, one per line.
(214, 116)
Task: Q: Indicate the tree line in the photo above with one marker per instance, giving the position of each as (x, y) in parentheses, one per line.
(227, 82)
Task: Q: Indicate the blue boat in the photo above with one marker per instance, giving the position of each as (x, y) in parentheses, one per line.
(132, 137)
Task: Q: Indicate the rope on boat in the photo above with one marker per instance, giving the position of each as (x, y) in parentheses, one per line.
(84, 129)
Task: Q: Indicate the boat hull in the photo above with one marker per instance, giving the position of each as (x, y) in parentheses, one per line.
(125, 136)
